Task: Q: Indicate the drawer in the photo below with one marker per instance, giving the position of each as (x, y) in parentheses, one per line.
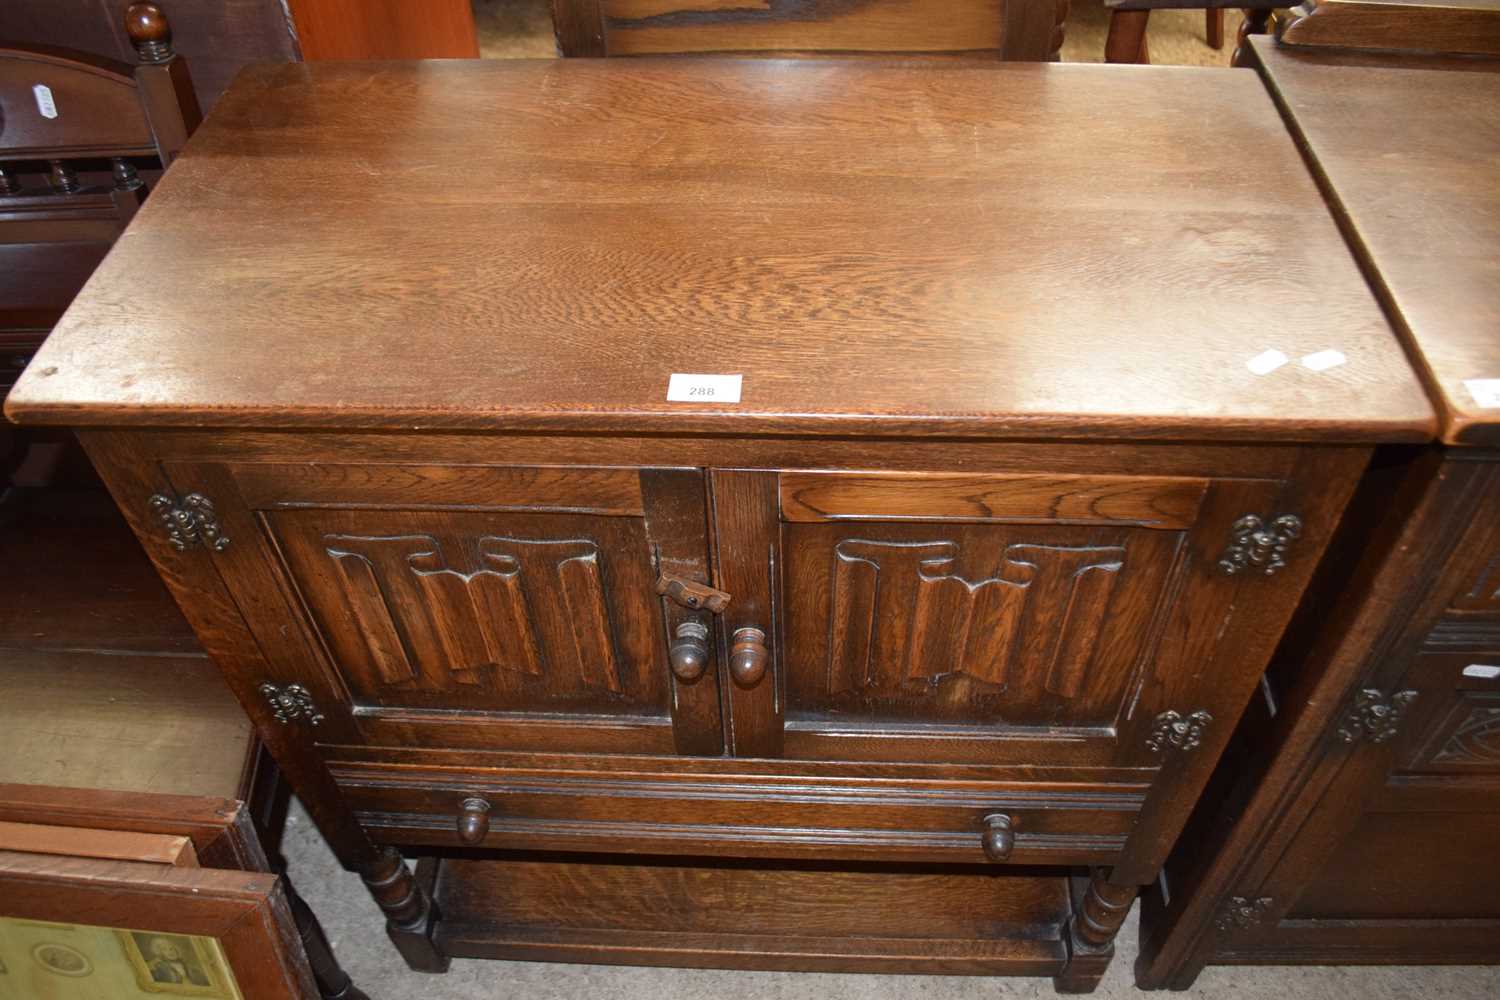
(745, 815)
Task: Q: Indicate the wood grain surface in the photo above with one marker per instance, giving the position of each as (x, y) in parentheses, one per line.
(943, 919)
(1418, 197)
(876, 248)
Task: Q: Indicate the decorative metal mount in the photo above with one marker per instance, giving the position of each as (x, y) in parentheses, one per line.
(190, 521)
(1256, 545)
(1375, 717)
(1172, 729)
(291, 703)
(1242, 913)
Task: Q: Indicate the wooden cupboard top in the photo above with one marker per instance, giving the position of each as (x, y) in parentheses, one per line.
(982, 250)
(1409, 148)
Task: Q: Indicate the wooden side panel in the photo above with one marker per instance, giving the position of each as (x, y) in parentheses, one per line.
(641, 27)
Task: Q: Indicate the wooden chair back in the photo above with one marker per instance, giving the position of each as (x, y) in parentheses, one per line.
(1024, 30)
(80, 139)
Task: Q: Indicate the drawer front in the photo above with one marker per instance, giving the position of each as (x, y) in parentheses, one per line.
(745, 815)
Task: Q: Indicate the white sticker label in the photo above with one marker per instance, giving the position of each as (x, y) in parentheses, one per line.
(44, 102)
(1483, 670)
(1266, 362)
(1486, 391)
(1323, 360)
(703, 388)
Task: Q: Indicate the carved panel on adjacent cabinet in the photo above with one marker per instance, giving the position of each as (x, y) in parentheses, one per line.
(1483, 594)
(965, 623)
(1466, 738)
(507, 611)
(1476, 740)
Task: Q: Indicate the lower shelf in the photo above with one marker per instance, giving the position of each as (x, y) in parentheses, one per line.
(740, 915)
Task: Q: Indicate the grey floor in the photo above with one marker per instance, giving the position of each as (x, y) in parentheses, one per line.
(356, 929)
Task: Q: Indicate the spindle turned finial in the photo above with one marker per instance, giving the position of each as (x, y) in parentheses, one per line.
(149, 32)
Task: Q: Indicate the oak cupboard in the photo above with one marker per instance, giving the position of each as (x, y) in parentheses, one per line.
(1358, 825)
(911, 656)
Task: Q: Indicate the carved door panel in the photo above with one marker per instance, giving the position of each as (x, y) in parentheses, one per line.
(990, 619)
(474, 607)
(1396, 819)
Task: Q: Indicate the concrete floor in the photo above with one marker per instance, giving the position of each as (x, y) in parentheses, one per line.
(357, 931)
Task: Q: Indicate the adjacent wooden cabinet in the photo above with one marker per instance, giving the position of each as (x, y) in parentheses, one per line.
(914, 657)
(1358, 825)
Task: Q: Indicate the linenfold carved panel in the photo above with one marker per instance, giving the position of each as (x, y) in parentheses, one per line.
(969, 623)
(956, 625)
(479, 617)
(506, 611)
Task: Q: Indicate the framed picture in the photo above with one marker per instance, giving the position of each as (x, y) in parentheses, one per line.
(83, 927)
(180, 964)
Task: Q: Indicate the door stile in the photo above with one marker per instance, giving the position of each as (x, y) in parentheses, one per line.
(746, 509)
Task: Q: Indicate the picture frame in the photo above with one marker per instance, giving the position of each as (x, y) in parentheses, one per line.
(177, 964)
(223, 935)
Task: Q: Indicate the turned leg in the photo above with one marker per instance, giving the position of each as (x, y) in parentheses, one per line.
(1214, 28)
(333, 981)
(1098, 912)
(1255, 23)
(1126, 41)
(411, 914)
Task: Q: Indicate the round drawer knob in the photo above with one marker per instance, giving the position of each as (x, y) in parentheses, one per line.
(474, 821)
(689, 654)
(999, 836)
(748, 656)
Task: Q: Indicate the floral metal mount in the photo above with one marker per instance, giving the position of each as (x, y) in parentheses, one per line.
(1242, 912)
(291, 703)
(1179, 732)
(190, 521)
(1256, 545)
(1375, 717)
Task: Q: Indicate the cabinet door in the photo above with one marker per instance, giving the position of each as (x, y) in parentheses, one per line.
(1048, 621)
(479, 607)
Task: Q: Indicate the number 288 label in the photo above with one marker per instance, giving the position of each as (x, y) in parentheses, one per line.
(683, 388)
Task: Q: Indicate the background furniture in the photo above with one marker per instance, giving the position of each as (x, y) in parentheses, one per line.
(77, 133)
(1128, 19)
(1126, 42)
(219, 37)
(1463, 27)
(1359, 826)
(1026, 30)
(483, 589)
(113, 718)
